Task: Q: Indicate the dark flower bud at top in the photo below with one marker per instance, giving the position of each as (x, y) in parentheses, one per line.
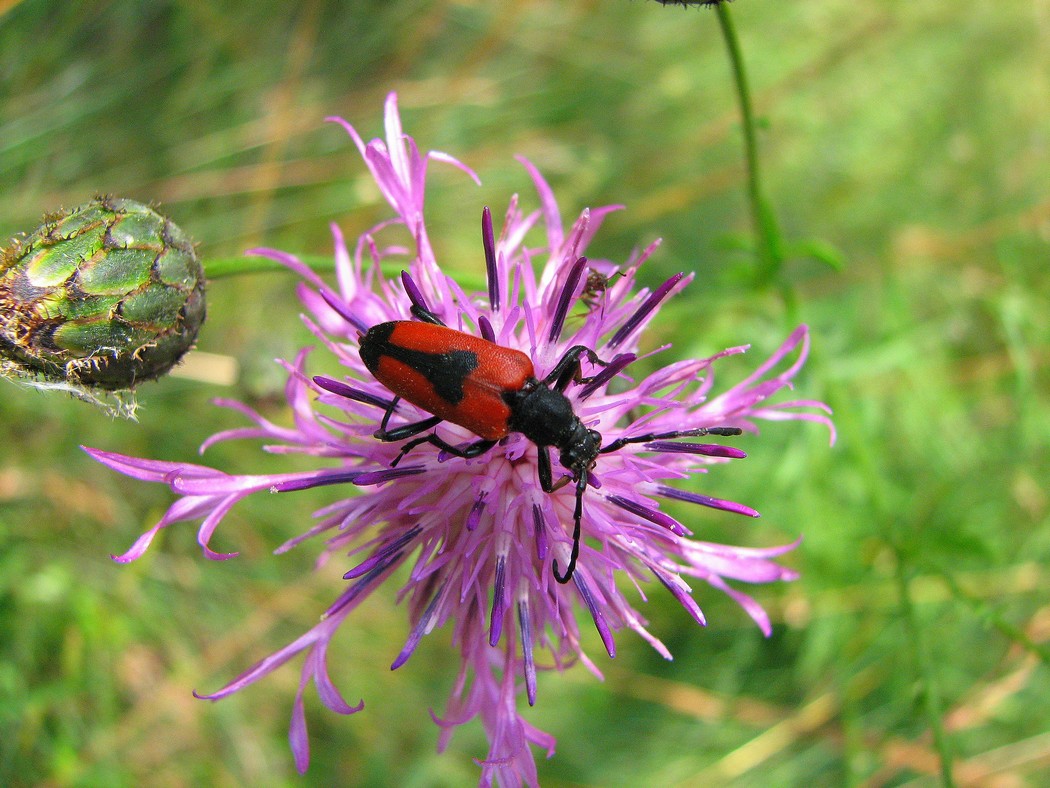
(100, 297)
(684, 3)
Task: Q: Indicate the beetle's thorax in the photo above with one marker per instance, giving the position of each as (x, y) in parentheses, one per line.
(546, 418)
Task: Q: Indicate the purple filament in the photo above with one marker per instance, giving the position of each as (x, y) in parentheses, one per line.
(614, 368)
(707, 449)
(333, 301)
(498, 602)
(643, 311)
(415, 295)
(343, 390)
(369, 563)
(705, 500)
(652, 515)
(490, 258)
(565, 299)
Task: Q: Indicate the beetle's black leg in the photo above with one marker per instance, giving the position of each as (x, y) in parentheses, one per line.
(546, 473)
(547, 483)
(470, 450)
(466, 451)
(577, 516)
(406, 431)
(425, 315)
(416, 427)
(619, 443)
(388, 413)
(568, 368)
(543, 469)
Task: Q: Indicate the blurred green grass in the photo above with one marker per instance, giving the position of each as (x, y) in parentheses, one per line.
(912, 137)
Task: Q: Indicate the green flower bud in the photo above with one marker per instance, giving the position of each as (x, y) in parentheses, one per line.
(104, 296)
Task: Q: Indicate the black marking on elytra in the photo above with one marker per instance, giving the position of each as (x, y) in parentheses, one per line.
(445, 371)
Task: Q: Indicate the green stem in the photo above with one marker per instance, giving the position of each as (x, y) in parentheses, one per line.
(988, 613)
(224, 267)
(931, 695)
(216, 268)
(767, 237)
(897, 531)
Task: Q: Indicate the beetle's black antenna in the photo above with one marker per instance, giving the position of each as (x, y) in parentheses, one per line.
(577, 516)
(619, 443)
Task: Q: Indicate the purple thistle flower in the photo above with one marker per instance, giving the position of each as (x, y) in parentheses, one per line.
(474, 538)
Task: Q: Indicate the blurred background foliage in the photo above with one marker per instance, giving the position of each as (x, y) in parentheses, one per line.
(911, 138)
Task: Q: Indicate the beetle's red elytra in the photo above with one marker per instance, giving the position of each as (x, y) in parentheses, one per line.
(456, 376)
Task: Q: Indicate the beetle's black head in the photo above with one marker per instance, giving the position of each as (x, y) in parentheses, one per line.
(579, 452)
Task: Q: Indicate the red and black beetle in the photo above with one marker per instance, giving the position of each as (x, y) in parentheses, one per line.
(492, 391)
